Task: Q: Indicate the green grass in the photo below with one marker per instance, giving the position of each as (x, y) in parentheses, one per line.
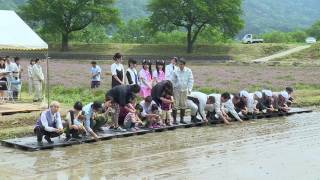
(306, 56)
(71, 95)
(237, 51)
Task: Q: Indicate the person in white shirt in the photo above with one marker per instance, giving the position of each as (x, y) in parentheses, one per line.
(49, 124)
(182, 80)
(253, 100)
(30, 81)
(170, 68)
(147, 113)
(38, 79)
(229, 107)
(16, 77)
(218, 110)
(132, 74)
(95, 75)
(117, 71)
(199, 102)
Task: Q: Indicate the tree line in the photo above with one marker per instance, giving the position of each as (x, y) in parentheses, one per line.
(64, 18)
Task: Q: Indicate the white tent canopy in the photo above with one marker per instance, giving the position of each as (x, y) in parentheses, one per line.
(15, 34)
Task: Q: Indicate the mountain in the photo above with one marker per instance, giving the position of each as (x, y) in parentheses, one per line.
(11, 4)
(285, 15)
(260, 15)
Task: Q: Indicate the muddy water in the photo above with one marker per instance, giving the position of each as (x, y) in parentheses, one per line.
(285, 148)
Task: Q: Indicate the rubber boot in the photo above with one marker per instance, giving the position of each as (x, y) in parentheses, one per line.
(174, 116)
(182, 113)
(39, 135)
(194, 119)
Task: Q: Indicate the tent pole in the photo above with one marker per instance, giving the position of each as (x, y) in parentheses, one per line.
(48, 83)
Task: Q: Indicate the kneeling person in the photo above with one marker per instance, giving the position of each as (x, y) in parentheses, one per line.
(75, 119)
(92, 121)
(49, 124)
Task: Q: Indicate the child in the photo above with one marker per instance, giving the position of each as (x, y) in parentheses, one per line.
(95, 75)
(145, 76)
(159, 74)
(75, 120)
(131, 120)
(155, 120)
(166, 107)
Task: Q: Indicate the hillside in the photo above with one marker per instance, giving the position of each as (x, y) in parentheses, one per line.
(259, 16)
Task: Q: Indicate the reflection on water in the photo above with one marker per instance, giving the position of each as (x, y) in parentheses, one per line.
(284, 148)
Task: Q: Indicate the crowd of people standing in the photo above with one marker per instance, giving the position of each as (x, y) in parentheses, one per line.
(162, 93)
(11, 78)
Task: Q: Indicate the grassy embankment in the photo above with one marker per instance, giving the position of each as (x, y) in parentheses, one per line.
(310, 56)
(238, 52)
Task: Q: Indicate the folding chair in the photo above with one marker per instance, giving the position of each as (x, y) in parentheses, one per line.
(8, 94)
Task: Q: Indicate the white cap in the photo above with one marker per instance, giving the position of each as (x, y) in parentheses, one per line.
(267, 93)
(244, 93)
(258, 94)
(285, 95)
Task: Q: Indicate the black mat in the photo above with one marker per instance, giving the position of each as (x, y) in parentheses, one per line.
(30, 143)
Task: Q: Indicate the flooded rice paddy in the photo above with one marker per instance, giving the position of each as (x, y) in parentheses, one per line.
(281, 148)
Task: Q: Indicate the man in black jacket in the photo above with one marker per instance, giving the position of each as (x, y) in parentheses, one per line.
(120, 96)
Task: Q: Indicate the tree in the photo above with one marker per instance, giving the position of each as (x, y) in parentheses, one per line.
(134, 31)
(67, 16)
(196, 15)
(315, 30)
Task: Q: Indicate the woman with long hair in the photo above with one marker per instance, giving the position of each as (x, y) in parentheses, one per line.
(145, 76)
(117, 71)
(159, 73)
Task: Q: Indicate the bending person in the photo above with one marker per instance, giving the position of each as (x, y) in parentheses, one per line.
(230, 109)
(218, 109)
(199, 102)
(120, 96)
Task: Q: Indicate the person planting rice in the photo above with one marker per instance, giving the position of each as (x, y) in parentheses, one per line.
(150, 112)
(279, 101)
(229, 108)
(267, 101)
(218, 110)
(253, 101)
(199, 102)
(241, 106)
(49, 124)
(182, 80)
(289, 90)
(75, 120)
(93, 122)
(120, 96)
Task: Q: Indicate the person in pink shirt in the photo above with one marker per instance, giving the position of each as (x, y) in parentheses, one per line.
(145, 76)
(159, 73)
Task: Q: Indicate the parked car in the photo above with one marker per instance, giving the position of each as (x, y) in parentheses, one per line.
(311, 40)
(248, 39)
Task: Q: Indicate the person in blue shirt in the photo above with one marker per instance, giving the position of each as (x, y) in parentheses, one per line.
(95, 75)
(92, 121)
